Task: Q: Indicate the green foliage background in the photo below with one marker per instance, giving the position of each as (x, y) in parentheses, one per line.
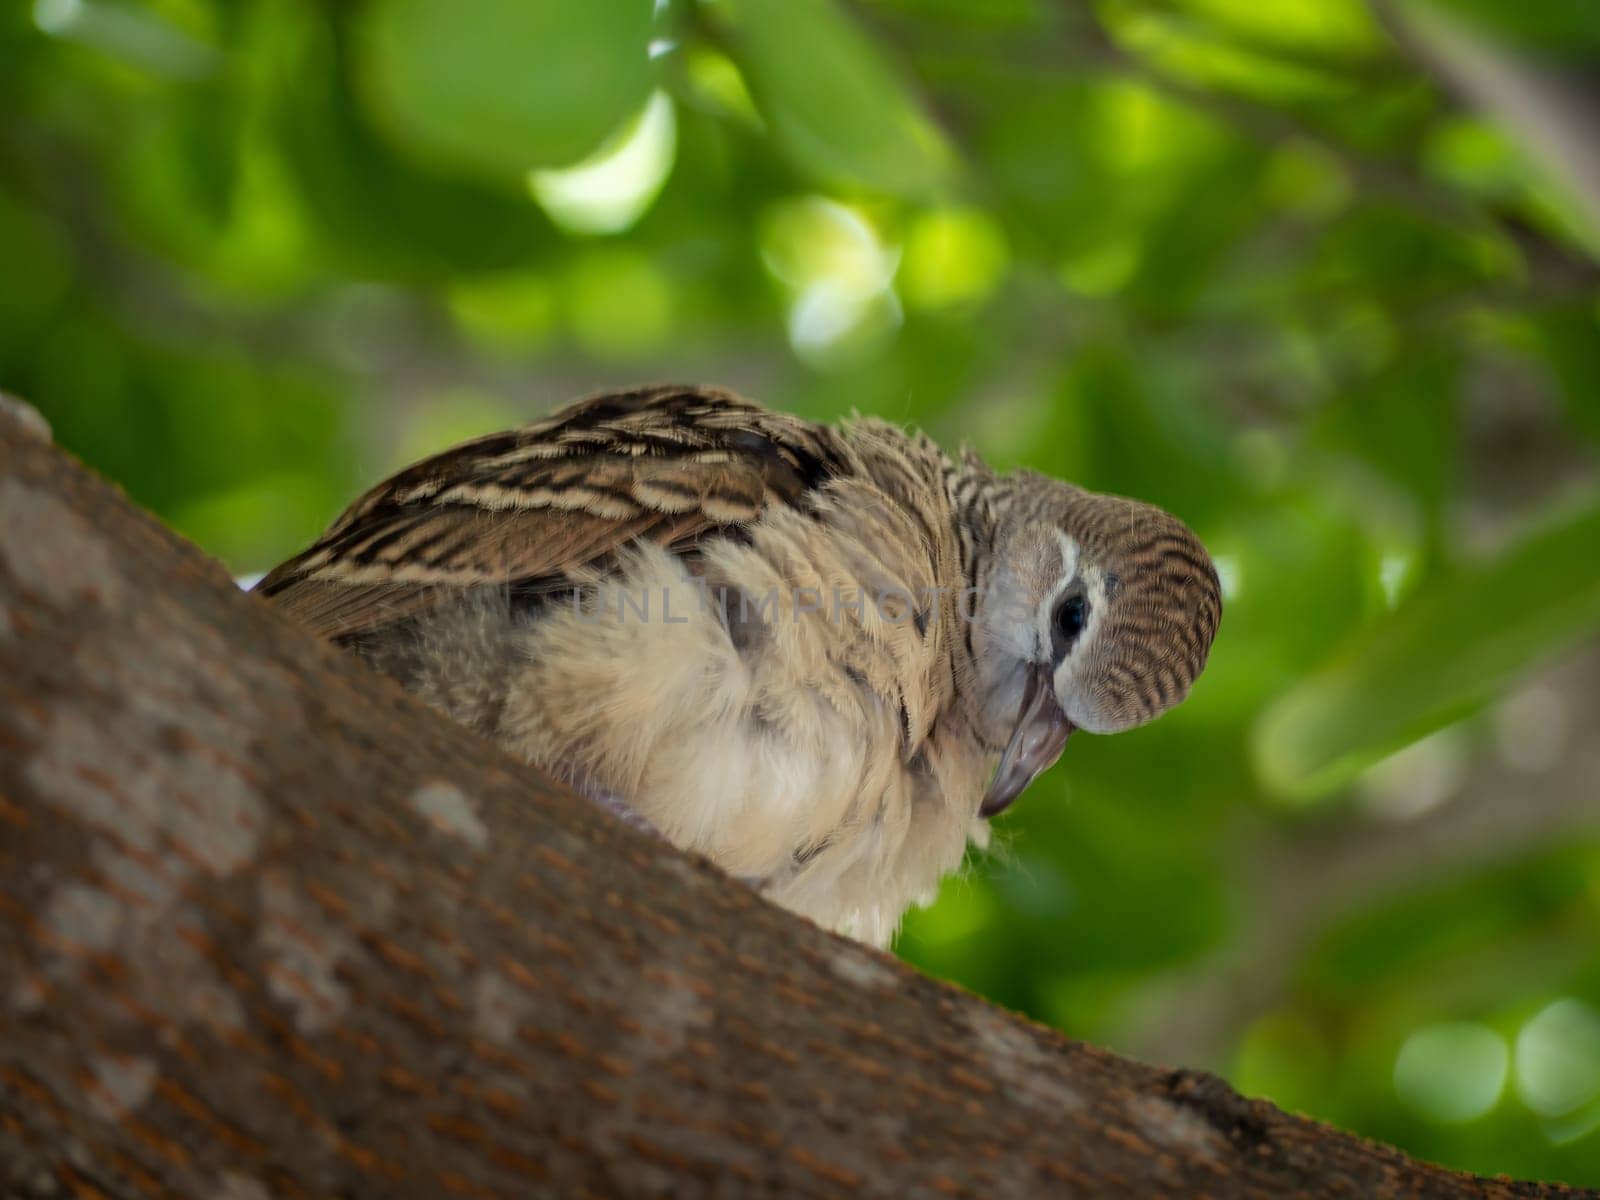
(1244, 258)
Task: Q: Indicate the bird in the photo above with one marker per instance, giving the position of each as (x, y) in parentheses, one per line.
(823, 657)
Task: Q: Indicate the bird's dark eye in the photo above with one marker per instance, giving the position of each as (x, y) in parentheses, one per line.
(1071, 614)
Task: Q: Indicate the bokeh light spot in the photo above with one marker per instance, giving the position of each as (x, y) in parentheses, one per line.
(610, 191)
(839, 275)
(953, 256)
(1531, 728)
(56, 16)
(1393, 571)
(1418, 779)
(1558, 1057)
(1452, 1072)
(1229, 574)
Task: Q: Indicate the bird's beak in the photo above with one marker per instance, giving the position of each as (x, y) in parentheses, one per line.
(1037, 741)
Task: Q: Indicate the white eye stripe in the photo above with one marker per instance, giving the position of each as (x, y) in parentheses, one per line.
(1069, 558)
(1047, 610)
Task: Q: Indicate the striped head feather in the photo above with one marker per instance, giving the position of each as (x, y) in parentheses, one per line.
(1095, 612)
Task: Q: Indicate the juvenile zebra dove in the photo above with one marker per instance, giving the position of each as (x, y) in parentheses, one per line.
(823, 657)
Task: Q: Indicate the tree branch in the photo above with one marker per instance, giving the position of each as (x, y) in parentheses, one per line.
(268, 927)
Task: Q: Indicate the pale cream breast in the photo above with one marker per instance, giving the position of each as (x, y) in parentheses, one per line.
(811, 747)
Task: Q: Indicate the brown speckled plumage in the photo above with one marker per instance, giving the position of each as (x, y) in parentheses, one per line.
(833, 753)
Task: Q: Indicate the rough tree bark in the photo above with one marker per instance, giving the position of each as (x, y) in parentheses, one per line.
(270, 928)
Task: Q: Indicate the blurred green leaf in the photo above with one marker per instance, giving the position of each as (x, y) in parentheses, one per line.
(834, 103)
(39, 265)
(180, 169)
(1407, 938)
(1385, 250)
(1454, 645)
(1301, 574)
(505, 85)
(374, 208)
(1401, 427)
(129, 32)
(1186, 242)
(1570, 339)
(1116, 426)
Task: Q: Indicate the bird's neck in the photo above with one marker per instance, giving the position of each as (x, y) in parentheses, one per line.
(979, 500)
(977, 506)
(981, 503)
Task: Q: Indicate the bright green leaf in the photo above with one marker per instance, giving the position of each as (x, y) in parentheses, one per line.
(832, 100)
(507, 85)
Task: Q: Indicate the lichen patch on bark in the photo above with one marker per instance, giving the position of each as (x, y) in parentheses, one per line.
(28, 418)
(119, 1084)
(1018, 1058)
(857, 967)
(82, 917)
(1176, 1128)
(450, 811)
(498, 1008)
(303, 955)
(234, 1186)
(49, 550)
(120, 788)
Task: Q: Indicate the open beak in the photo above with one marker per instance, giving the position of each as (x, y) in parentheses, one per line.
(1037, 741)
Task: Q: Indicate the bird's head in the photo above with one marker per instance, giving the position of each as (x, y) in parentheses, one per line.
(1096, 613)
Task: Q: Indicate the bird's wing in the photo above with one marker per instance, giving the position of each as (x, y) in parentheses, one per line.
(539, 506)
